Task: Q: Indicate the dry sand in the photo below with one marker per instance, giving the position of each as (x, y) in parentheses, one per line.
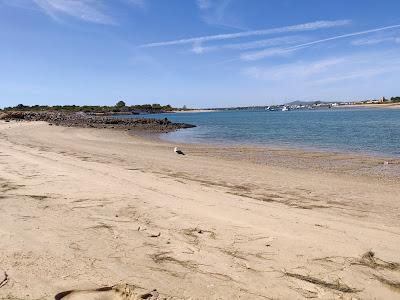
(88, 208)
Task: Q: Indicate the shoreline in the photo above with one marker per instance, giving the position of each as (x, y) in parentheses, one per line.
(159, 136)
(371, 105)
(83, 120)
(376, 166)
(193, 111)
(316, 145)
(85, 208)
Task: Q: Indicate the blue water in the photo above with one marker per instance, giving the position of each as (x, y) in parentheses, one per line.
(367, 131)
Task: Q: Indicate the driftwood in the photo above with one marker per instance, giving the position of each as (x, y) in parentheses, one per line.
(117, 292)
(4, 281)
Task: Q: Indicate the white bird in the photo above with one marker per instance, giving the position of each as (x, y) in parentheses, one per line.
(177, 151)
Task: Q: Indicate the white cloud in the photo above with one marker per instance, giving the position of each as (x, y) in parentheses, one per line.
(294, 28)
(282, 51)
(198, 48)
(219, 13)
(94, 11)
(204, 4)
(328, 70)
(375, 41)
(365, 73)
(266, 43)
(86, 10)
(295, 70)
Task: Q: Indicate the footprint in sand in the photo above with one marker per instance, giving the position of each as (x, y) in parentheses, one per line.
(117, 292)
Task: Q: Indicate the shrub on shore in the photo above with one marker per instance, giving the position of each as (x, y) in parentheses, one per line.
(395, 99)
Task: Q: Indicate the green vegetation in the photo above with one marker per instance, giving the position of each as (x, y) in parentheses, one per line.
(395, 99)
(120, 104)
(119, 107)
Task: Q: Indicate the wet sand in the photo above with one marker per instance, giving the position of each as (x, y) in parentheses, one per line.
(85, 208)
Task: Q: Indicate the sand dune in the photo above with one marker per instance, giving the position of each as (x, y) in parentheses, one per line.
(83, 209)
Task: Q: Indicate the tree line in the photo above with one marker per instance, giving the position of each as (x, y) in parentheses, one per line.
(120, 106)
(395, 99)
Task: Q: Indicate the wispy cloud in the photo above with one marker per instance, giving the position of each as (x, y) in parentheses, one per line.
(328, 70)
(294, 28)
(94, 11)
(86, 10)
(204, 4)
(283, 51)
(294, 70)
(365, 73)
(219, 13)
(291, 39)
(198, 48)
(375, 41)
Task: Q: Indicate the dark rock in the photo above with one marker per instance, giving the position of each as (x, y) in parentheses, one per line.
(81, 119)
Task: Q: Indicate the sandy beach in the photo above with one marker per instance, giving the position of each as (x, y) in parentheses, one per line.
(84, 208)
(391, 105)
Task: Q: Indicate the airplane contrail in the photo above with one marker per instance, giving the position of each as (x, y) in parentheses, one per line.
(300, 27)
(269, 52)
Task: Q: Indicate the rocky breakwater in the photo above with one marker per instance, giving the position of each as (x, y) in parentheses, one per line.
(81, 119)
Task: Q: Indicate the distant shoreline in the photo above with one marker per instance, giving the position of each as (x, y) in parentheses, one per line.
(372, 105)
(193, 111)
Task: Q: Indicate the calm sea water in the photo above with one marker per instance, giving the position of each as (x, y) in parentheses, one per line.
(371, 131)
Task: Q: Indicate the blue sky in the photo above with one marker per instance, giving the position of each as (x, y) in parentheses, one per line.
(199, 53)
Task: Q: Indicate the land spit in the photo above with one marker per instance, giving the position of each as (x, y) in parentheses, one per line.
(82, 119)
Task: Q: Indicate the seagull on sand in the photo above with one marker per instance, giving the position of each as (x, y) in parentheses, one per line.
(177, 151)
